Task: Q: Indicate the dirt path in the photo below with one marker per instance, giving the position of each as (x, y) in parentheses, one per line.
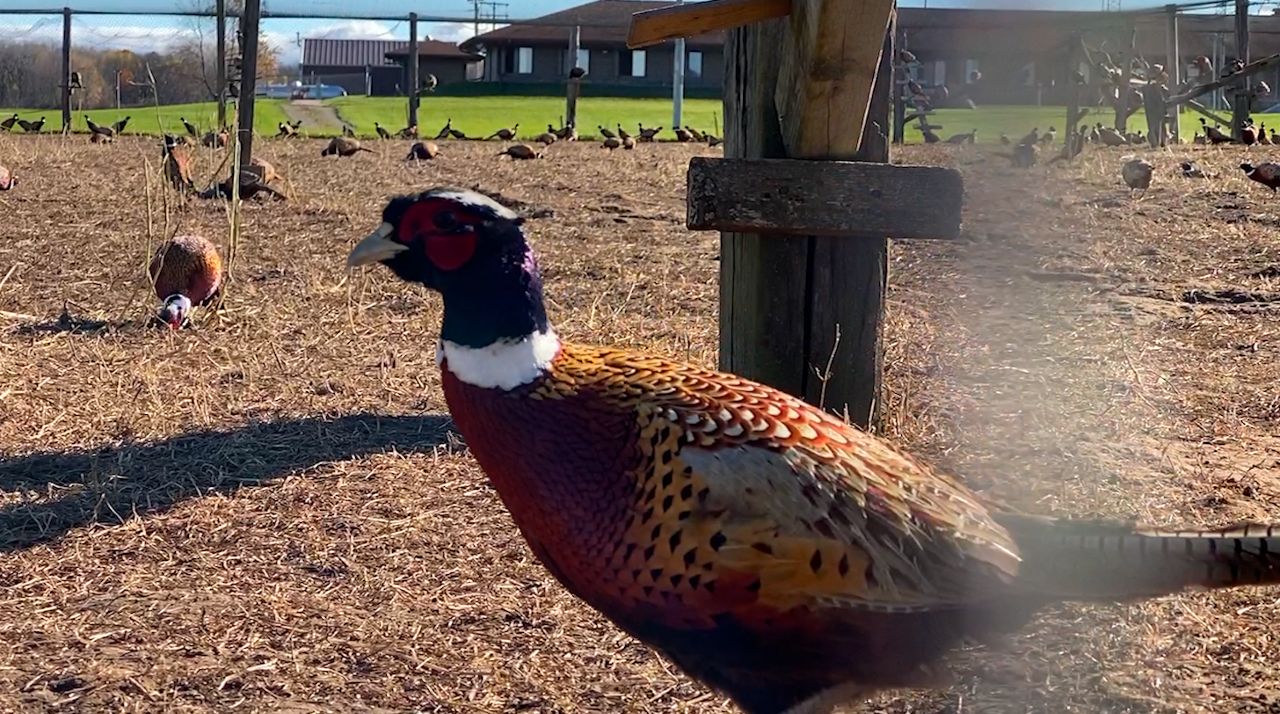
(314, 114)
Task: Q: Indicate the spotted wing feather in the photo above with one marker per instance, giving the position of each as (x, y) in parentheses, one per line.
(187, 265)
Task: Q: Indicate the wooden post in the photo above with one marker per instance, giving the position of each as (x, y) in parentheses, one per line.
(66, 70)
(222, 63)
(574, 85)
(1073, 99)
(1173, 65)
(900, 76)
(1240, 101)
(803, 313)
(1126, 77)
(413, 69)
(249, 23)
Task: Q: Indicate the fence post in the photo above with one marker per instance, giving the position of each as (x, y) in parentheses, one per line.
(900, 75)
(66, 70)
(1173, 65)
(1240, 98)
(222, 63)
(574, 85)
(413, 69)
(248, 79)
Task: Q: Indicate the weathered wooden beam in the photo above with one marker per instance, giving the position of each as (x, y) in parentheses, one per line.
(1249, 69)
(839, 198)
(1153, 103)
(1197, 106)
(667, 23)
(1240, 106)
(828, 69)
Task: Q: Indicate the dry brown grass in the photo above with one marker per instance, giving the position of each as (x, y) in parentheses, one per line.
(270, 511)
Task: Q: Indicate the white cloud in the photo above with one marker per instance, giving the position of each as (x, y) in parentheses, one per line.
(355, 30)
(451, 31)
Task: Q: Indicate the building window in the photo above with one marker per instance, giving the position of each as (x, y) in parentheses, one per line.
(631, 64)
(584, 60)
(524, 60)
(971, 73)
(1028, 74)
(939, 73)
(695, 64)
(508, 60)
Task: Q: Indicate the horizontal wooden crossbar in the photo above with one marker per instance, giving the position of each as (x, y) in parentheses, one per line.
(668, 23)
(824, 198)
(1251, 68)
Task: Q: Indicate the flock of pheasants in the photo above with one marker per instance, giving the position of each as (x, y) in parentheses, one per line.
(1138, 173)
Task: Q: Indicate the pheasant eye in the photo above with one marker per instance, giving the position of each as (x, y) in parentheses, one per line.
(446, 220)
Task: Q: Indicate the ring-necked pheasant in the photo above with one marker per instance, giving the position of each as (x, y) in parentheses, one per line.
(519, 151)
(1266, 173)
(33, 127)
(1137, 174)
(444, 130)
(186, 271)
(605, 132)
(97, 128)
(7, 124)
(7, 180)
(343, 146)
(504, 133)
(119, 126)
(768, 548)
(192, 130)
(382, 131)
(423, 151)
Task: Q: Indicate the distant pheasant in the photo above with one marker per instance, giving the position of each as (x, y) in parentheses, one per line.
(1267, 174)
(1214, 134)
(504, 134)
(119, 126)
(766, 547)
(7, 179)
(604, 131)
(423, 151)
(7, 124)
(186, 271)
(519, 151)
(343, 146)
(382, 131)
(444, 130)
(96, 128)
(33, 127)
(1137, 174)
(191, 128)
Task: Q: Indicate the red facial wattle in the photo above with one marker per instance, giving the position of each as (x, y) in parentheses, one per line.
(447, 249)
(450, 251)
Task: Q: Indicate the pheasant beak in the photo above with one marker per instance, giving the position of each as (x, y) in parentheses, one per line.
(376, 247)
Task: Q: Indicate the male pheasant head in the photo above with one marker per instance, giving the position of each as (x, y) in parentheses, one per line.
(471, 250)
(175, 310)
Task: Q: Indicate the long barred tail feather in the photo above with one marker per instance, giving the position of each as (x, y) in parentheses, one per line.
(1074, 560)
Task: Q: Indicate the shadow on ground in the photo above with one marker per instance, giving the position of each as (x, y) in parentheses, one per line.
(66, 490)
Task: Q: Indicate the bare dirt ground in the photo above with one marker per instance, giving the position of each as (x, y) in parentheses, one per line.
(270, 512)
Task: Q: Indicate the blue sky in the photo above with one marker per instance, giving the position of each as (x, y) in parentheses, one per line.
(143, 31)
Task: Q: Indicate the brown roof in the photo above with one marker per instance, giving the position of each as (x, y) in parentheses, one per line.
(434, 48)
(603, 22)
(325, 52)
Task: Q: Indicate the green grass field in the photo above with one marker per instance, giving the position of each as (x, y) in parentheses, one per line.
(153, 120)
(481, 116)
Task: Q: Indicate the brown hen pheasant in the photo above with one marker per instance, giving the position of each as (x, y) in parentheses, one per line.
(769, 549)
(186, 271)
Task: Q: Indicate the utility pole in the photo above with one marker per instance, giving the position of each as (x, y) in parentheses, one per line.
(1240, 104)
(677, 82)
(413, 69)
(1173, 65)
(66, 70)
(222, 63)
(574, 85)
(249, 23)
